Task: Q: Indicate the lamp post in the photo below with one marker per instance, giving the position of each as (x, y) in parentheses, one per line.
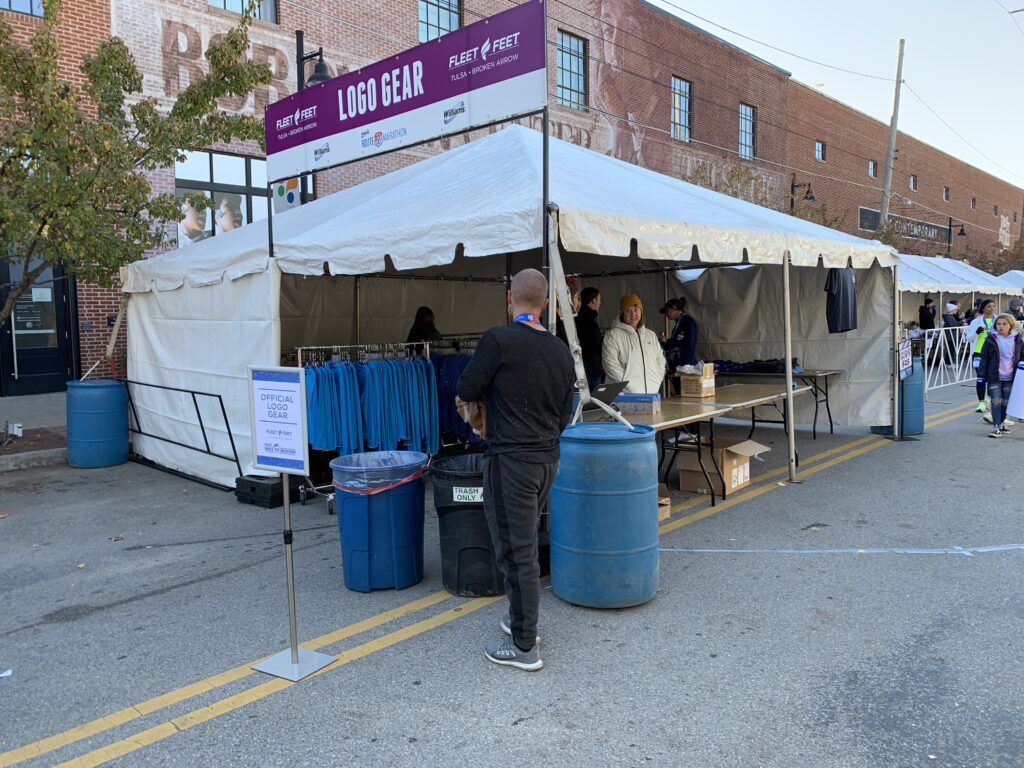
(793, 187)
(319, 75)
(949, 234)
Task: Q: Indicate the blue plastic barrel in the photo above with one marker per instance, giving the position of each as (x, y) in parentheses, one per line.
(97, 421)
(604, 516)
(911, 403)
(379, 498)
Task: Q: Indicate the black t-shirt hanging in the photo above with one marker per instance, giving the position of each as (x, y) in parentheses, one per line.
(841, 303)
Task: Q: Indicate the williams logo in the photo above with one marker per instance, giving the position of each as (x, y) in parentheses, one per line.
(320, 151)
(454, 112)
(369, 139)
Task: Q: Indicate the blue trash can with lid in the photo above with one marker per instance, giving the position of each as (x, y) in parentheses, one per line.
(380, 505)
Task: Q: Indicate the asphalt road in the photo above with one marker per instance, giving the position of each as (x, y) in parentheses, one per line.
(132, 602)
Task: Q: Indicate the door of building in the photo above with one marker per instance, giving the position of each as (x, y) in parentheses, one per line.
(35, 341)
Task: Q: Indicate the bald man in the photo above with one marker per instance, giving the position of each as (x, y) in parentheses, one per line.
(525, 374)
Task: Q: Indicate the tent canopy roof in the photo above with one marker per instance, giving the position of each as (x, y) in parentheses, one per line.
(486, 195)
(925, 274)
(1014, 277)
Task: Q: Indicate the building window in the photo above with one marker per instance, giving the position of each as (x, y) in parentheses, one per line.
(680, 109)
(748, 118)
(571, 88)
(873, 169)
(819, 151)
(913, 183)
(236, 187)
(995, 210)
(438, 17)
(974, 203)
(945, 194)
(29, 7)
(265, 11)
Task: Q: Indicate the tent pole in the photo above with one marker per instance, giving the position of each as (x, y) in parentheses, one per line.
(896, 352)
(355, 307)
(788, 364)
(546, 246)
(270, 218)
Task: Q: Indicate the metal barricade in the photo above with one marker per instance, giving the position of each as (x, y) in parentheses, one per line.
(947, 358)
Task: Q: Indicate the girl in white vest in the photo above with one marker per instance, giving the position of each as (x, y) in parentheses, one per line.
(631, 352)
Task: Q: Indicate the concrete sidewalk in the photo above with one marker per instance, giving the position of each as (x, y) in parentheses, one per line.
(43, 420)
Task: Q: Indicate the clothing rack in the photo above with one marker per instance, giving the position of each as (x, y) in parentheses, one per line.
(320, 355)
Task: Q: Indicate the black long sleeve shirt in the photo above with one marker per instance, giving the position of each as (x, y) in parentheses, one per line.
(526, 378)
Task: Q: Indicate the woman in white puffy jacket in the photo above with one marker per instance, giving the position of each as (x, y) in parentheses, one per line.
(632, 352)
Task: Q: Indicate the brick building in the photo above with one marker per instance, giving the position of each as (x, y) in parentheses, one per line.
(625, 79)
(841, 153)
(56, 325)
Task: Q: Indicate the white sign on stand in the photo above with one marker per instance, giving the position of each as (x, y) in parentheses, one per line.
(277, 399)
(277, 408)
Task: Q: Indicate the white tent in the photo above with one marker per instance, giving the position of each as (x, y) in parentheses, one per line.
(945, 279)
(200, 315)
(1014, 277)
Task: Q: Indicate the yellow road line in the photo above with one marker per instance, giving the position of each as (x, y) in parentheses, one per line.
(262, 691)
(848, 451)
(148, 707)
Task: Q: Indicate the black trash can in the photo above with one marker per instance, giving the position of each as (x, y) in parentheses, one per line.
(467, 555)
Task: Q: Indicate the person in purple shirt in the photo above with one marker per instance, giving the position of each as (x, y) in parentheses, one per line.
(1000, 354)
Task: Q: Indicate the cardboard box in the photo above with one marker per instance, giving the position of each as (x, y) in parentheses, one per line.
(643, 404)
(702, 385)
(733, 457)
(664, 502)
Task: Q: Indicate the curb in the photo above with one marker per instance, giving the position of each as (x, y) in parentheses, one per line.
(16, 461)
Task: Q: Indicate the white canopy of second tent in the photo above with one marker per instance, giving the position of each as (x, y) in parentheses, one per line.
(1014, 277)
(922, 274)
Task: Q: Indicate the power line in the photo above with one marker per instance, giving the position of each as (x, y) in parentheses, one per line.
(1012, 15)
(776, 48)
(958, 134)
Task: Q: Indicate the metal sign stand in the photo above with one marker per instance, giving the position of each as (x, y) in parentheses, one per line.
(293, 663)
(277, 406)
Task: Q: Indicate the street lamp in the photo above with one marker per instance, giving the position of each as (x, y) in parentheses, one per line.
(320, 75)
(949, 234)
(793, 187)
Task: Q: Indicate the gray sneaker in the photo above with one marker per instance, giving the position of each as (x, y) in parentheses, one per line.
(506, 625)
(505, 652)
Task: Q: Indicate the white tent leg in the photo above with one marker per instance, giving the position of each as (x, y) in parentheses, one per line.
(897, 299)
(788, 365)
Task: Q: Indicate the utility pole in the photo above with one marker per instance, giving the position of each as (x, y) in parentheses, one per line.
(890, 151)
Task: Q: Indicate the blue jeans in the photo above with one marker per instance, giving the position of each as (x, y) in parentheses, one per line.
(1000, 393)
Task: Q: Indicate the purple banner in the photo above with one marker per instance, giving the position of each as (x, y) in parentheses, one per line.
(494, 50)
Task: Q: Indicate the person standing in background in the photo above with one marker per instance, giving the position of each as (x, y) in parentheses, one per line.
(588, 332)
(977, 332)
(631, 352)
(526, 377)
(423, 328)
(952, 317)
(1000, 354)
(926, 314)
(1016, 309)
(681, 344)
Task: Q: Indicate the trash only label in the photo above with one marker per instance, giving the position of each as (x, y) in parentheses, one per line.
(468, 495)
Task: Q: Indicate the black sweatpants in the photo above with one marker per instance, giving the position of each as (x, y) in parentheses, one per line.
(515, 495)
